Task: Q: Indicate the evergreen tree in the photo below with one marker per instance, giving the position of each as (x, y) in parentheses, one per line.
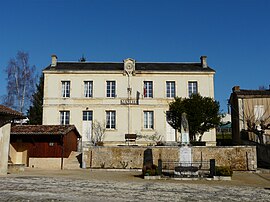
(35, 111)
(202, 114)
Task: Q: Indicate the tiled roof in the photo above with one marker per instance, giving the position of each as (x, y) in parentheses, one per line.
(43, 130)
(8, 111)
(144, 67)
(253, 93)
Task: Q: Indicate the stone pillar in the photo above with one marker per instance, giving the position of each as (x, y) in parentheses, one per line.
(212, 167)
(4, 147)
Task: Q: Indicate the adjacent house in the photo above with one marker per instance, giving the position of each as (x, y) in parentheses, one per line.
(250, 110)
(43, 146)
(126, 97)
(6, 117)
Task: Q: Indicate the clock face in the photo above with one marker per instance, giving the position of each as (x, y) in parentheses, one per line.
(129, 66)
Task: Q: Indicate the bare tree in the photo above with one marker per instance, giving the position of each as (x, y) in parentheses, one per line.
(98, 133)
(156, 137)
(21, 80)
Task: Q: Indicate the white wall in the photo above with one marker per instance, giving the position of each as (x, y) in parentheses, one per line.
(4, 148)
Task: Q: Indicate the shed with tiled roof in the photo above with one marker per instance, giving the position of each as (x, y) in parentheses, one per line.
(43, 141)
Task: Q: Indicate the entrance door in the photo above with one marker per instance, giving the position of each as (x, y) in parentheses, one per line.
(87, 131)
(87, 126)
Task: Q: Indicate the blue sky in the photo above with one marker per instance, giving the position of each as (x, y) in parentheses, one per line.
(235, 35)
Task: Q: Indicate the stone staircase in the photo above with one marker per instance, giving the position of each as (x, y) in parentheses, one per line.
(73, 161)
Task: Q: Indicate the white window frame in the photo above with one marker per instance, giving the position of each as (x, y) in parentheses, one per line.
(111, 119)
(65, 89)
(88, 88)
(192, 88)
(148, 119)
(148, 89)
(111, 89)
(170, 89)
(64, 117)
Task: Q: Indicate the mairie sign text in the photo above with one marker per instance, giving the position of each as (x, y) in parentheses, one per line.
(129, 102)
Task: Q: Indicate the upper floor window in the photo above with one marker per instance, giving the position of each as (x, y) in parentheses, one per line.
(65, 88)
(170, 89)
(258, 112)
(110, 88)
(192, 88)
(64, 117)
(148, 89)
(110, 119)
(148, 119)
(88, 89)
(87, 115)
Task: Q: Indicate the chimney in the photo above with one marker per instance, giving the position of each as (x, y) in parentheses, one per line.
(54, 60)
(236, 89)
(203, 61)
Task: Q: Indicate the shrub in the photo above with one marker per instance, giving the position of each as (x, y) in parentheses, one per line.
(160, 143)
(99, 144)
(223, 171)
(150, 170)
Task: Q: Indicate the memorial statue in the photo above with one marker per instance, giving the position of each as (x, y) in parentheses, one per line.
(184, 129)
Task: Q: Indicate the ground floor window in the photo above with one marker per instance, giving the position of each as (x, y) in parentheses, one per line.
(110, 119)
(64, 117)
(148, 119)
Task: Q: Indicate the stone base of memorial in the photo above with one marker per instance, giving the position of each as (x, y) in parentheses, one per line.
(156, 177)
(222, 178)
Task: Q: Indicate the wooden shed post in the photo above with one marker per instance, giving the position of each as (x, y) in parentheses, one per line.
(62, 154)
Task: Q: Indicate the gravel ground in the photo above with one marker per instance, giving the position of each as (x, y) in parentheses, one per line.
(97, 185)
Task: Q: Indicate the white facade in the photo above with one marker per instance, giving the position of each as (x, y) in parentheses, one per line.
(128, 97)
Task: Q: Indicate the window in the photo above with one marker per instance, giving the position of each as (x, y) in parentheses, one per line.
(51, 144)
(88, 88)
(110, 88)
(192, 88)
(170, 89)
(148, 119)
(110, 119)
(258, 112)
(64, 117)
(65, 88)
(148, 89)
(87, 115)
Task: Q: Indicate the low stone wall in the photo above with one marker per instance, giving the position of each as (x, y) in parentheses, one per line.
(238, 157)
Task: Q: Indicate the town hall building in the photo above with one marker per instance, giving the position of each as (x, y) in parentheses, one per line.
(126, 97)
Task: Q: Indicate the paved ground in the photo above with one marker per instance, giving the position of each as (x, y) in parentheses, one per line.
(98, 185)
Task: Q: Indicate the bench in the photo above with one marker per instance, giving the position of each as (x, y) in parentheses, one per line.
(130, 138)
